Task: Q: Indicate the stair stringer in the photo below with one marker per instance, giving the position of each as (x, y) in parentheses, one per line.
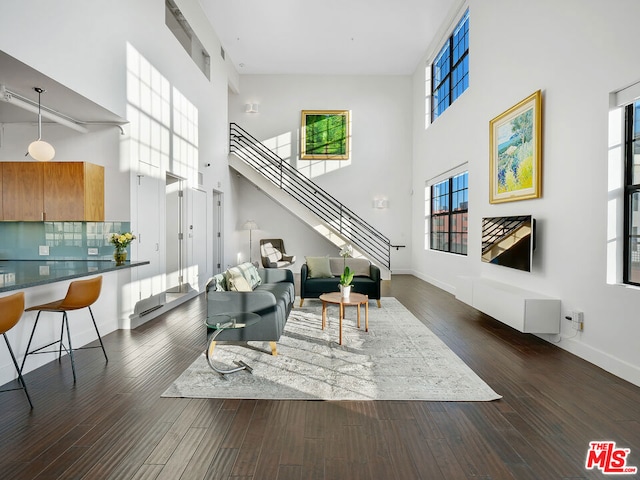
(300, 211)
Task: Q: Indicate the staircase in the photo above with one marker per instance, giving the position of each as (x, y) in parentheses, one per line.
(305, 199)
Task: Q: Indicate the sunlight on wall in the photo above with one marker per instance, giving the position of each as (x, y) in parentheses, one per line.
(149, 114)
(185, 139)
(316, 168)
(615, 207)
(427, 96)
(163, 138)
(280, 145)
(163, 123)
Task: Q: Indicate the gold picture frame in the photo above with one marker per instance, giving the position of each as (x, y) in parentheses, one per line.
(515, 145)
(325, 135)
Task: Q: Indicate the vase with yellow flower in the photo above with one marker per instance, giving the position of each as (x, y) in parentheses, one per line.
(121, 241)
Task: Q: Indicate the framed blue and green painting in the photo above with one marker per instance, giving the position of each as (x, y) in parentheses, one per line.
(325, 135)
(515, 161)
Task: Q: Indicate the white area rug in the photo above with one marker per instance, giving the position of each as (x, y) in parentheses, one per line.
(398, 359)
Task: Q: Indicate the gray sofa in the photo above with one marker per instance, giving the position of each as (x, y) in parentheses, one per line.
(271, 295)
(366, 280)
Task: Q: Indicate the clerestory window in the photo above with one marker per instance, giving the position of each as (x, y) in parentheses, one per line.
(450, 69)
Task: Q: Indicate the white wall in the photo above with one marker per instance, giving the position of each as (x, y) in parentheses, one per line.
(381, 146)
(85, 49)
(577, 53)
(86, 52)
(276, 222)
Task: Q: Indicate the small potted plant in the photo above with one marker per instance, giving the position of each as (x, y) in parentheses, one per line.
(347, 275)
(345, 282)
(121, 241)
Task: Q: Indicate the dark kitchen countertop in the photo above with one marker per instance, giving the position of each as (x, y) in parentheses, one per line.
(19, 274)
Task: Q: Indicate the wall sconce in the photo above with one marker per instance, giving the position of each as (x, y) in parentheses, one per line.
(380, 203)
(251, 108)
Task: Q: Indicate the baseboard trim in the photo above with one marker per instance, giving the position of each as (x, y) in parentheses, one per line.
(601, 359)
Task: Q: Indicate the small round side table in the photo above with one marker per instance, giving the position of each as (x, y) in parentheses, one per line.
(228, 321)
(336, 298)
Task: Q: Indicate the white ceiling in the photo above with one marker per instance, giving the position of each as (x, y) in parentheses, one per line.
(20, 79)
(354, 37)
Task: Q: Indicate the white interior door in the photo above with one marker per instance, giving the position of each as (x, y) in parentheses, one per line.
(173, 233)
(198, 272)
(218, 233)
(149, 189)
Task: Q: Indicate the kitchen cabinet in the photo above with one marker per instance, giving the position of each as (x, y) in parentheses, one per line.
(22, 191)
(73, 191)
(52, 191)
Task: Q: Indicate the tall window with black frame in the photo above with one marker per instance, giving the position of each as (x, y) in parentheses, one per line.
(449, 214)
(450, 69)
(631, 269)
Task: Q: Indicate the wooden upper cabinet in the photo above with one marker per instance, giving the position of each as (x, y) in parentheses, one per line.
(93, 192)
(73, 191)
(22, 191)
(52, 191)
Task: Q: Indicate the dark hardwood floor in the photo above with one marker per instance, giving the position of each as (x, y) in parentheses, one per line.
(113, 423)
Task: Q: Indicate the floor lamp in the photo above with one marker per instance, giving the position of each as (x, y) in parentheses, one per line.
(250, 225)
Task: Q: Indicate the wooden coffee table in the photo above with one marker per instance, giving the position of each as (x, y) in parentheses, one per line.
(336, 298)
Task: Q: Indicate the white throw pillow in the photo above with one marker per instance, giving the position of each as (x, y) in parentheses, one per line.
(271, 252)
(240, 284)
(236, 281)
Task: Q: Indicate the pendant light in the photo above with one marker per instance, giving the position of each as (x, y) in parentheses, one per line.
(39, 149)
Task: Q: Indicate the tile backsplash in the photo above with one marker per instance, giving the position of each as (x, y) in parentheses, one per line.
(65, 240)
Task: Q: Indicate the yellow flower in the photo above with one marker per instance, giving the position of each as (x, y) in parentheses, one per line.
(129, 236)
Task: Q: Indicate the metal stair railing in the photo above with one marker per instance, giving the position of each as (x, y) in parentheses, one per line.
(349, 225)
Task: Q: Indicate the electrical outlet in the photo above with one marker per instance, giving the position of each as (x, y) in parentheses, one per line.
(577, 320)
(93, 251)
(43, 250)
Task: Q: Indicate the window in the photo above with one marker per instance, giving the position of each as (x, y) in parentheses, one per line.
(632, 195)
(174, 19)
(449, 205)
(450, 69)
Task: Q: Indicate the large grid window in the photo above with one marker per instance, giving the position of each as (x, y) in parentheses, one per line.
(632, 195)
(450, 69)
(449, 202)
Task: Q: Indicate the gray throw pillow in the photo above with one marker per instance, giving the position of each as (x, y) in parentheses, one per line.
(318, 267)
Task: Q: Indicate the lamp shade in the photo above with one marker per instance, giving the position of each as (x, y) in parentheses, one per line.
(250, 225)
(41, 151)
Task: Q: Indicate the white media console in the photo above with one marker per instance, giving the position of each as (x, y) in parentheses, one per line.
(526, 311)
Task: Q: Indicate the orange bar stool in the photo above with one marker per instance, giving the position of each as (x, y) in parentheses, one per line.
(81, 294)
(11, 308)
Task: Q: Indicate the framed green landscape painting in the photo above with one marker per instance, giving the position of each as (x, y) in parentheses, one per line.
(514, 152)
(325, 135)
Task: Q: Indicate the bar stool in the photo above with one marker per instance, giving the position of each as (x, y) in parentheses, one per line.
(81, 294)
(11, 311)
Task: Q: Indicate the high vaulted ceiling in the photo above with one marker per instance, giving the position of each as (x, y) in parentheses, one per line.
(355, 37)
